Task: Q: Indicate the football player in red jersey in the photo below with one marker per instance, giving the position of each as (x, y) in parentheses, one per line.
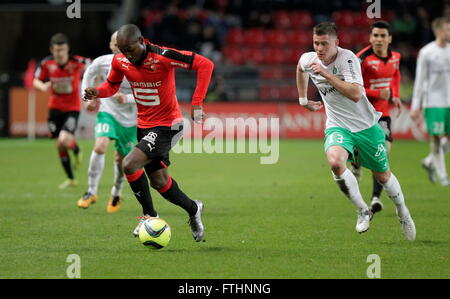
(60, 74)
(150, 70)
(381, 74)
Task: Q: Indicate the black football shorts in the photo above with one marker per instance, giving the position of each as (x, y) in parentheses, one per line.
(385, 123)
(62, 120)
(157, 142)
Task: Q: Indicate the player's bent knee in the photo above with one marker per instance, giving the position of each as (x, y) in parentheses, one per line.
(129, 166)
(159, 180)
(337, 165)
(100, 150)
(382, 177)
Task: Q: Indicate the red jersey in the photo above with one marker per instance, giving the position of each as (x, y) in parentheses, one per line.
(379, 73)
(65, 88)
(153, 82)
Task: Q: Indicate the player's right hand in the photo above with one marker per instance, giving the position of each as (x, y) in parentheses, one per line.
(314, 105)
(47, 85)
(90, 93)
(415, 115)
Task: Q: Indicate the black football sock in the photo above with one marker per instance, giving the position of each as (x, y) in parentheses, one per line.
(139, 184)
(75, 147)
(377, 188)
(65, 161)
(172, 193)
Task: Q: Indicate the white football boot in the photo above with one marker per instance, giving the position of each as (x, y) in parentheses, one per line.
(431, 171)
(363, 220)
(195, 221)
(408, 226)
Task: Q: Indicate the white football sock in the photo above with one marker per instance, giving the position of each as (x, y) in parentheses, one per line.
(439, 160)
(428, 160)
(95, 171)
(118, 180)
(394, 191)
(445, 143)
(348, 184)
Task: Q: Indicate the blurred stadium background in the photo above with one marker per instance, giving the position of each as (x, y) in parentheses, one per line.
(255, 45)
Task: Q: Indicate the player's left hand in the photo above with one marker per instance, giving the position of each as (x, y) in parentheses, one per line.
(318, 68)
(197, 114)
(398, 104)
(314, 105)
(415, 115)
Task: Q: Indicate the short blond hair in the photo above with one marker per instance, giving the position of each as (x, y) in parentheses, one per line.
(438, 23)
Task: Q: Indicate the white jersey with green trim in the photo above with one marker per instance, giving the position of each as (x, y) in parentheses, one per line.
(125, 114)
(340, 110)
(432, 83)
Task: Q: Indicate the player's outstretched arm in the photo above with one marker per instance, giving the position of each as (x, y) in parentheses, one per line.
(204, 68)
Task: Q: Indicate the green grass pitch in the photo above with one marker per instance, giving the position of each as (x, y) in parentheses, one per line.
(286, 220)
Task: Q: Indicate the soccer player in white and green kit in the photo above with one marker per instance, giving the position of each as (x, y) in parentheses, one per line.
(352, 122)
(432, 93)
(116, 120)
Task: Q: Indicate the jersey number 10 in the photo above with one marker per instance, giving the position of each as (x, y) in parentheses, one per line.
(151, 97)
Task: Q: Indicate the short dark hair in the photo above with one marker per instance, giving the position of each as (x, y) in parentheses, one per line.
(59, 39)
(382, 25)
(325, 28)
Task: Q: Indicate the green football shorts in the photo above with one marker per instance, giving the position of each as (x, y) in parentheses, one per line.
(107, 126)
(370, 144)
(437, 120)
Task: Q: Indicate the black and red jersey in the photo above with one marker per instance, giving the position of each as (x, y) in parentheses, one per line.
(153, 82)
(65, 81)
(379, 73)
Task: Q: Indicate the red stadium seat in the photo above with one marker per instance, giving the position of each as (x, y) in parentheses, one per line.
(301, 20)
(288, 92)
(361, 37)
(254, 37)
(269, 93)
(343, 18)
(151, 17)
(346, 39)
(234, 54)
(271, 73)
(276, 38)
(361, 20)
(255, 55)
(234, 37)
(281, 19)
(274, 56)
(299, 38)
(293, 55)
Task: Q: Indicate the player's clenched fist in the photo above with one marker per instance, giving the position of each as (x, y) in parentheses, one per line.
(317, 68)
(90, 93)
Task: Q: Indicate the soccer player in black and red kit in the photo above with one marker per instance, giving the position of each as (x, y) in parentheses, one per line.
(381, 74)
(150, 70)
(60, 73)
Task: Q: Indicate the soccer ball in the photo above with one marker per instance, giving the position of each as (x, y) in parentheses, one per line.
(154, 233)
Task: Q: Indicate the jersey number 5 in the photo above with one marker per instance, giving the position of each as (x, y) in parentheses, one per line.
(146, 96)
